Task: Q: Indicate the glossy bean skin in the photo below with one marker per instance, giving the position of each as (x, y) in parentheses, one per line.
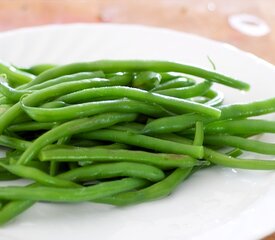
(73, 127)
(37, 175)
(178, 82)
(187, 92)
(92, 108)
(54, 194)
(145, 142)
(15, 76)
(240, 127)
(221, 159)
(97, 154)
(41, 96)
(242, 143)
(158, 190)
(38, 68)
(68, 78)
(233, 111)
(170, 103)
(137, 66)
(111, 170)
(146, 80)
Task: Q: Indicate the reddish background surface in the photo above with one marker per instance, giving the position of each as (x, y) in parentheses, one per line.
(246, 24)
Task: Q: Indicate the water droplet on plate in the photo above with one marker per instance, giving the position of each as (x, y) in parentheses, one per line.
(249, 25)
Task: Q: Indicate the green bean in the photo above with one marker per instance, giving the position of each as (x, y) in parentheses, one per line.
(137, 66)
(38, 69)
(187, 92)
(170, 76)
(12, 209)
(227, 161)
(145, 142)
(236, 152)
(39, 96)
(13, 143)
(146, 80)
(10, 93)
(36, 175)
(240, 127)
(163, 161)
(54, 194)
(32, 126)
(111, 170)
(172, 123)
(73, 127)
(244, 110)
(171, 103)
(234, 111)
(158, 190)
(175, 83)
(216, 97)
(91, 108)
(15, 77)
(242, 143)
(68, 78)
(199, 134)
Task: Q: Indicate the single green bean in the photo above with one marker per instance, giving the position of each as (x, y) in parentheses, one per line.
(242, 143)
(187, 92)
(240, 127)
(244, 110)
(145, 142)
(111, 170)
(175, 83)
(37, 175)
(199, 134)
(32, 126)
(172, 123)
(163, 161)
(14, 143)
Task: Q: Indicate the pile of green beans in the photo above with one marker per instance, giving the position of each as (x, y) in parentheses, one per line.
(119, 132)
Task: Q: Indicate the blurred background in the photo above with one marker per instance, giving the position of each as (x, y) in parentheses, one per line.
(246, 24)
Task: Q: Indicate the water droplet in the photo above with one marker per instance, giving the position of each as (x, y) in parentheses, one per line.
(249, 25)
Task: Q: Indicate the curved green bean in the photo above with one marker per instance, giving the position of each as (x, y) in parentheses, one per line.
(171, 103)
(92, 108)
(158, 190)
(54, 194)
(187, 92)
(111, 170)
(137, 66)
(73, 127)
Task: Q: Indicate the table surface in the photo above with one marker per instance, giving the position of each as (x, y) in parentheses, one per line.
(246, 24)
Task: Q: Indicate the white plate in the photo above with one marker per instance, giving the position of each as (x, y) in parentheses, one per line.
(216, 203)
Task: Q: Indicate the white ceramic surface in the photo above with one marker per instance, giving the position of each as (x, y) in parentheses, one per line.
(216, 203)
